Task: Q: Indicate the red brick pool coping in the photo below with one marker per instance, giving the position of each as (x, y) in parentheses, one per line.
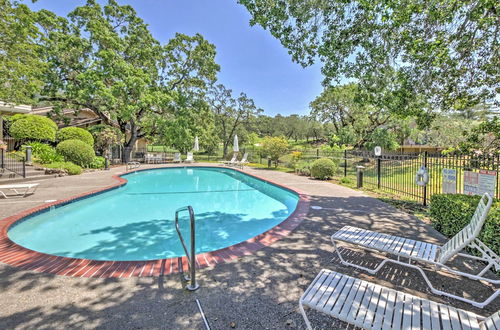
(17, 256)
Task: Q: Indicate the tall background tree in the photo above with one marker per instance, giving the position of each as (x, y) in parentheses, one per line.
(230, 113)
(21, 62)
(105, 59)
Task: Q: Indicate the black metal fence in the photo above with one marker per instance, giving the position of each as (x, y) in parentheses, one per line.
(395, 173)
(17, 166)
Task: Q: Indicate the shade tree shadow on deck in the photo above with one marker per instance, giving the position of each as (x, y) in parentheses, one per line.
(257, 291)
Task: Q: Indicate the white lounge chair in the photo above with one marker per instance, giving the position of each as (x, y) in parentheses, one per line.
(19, 189)
(241, 163)
(177, 157)
(189, 158)
(371, 306)
(427, 253)
(233, 160)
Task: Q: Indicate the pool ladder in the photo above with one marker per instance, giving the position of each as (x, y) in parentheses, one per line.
(191, 256)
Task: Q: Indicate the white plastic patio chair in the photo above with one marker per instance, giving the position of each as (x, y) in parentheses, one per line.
(241, 163)
(189, 158)
(371, 306)
(177, 157)
(19, 189)
(233, 160)
(148, 158)
(427, 253)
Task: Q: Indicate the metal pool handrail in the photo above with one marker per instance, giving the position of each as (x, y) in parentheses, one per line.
(190, 256)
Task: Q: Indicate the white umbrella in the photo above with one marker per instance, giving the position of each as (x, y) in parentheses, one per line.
(236, 148)
(196, 144)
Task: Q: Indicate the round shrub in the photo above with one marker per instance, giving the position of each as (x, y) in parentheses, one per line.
(75, 133)
(33, 128)
(323, 168)
(77, 152)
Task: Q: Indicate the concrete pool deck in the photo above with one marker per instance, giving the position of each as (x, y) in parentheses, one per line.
(258, 291)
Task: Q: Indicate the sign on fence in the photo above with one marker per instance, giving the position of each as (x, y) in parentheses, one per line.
(449, 181)
(487, 181)
(471, 183)
(477, 183)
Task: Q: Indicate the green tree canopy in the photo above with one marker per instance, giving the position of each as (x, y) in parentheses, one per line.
(444, 51)
(21, 56)
(191, 116)
(230, 113)
(104, 58)
(274, 147)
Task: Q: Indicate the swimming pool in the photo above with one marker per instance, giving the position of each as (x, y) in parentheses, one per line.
(135, 222)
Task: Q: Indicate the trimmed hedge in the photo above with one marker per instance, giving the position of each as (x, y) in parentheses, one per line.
(69, 167)
(452, 212)
(323, 168)
(32, 128)
(77, 152)
(75, 133)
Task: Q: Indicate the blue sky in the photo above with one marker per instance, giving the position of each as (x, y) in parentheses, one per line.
(251, 60)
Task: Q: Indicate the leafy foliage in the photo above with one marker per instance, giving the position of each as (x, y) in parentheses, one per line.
(104, 58)
(323, 168)
(44, 153)
(274, 148)
(75, 133)
(77, 152)
(485, 138)
(21, 56)
(230, 113)
(69, 167)
(445, 52)
(303, 168)
(32, 128)
(105, 136)
(358, 121)
(98, 162)
(452, 212)
(190, 117)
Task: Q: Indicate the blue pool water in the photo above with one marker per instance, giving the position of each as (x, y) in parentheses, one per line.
(136, 221)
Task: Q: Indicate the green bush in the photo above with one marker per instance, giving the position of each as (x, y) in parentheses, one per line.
(32, 128)
(69, 167)
(303, 168)
(274, 147)
(98, 162)
(346, 180)
(75, 133)
(323, 168)
(452, 212)
(77, 152)
(44, 153)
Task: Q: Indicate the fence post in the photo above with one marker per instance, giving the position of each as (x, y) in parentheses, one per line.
(425, 187)
(317, 153)
(24, 168)
(345, 163)
(2, 164)
(379, 161)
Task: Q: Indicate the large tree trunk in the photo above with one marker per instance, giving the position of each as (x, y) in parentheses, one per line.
(129, 145)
